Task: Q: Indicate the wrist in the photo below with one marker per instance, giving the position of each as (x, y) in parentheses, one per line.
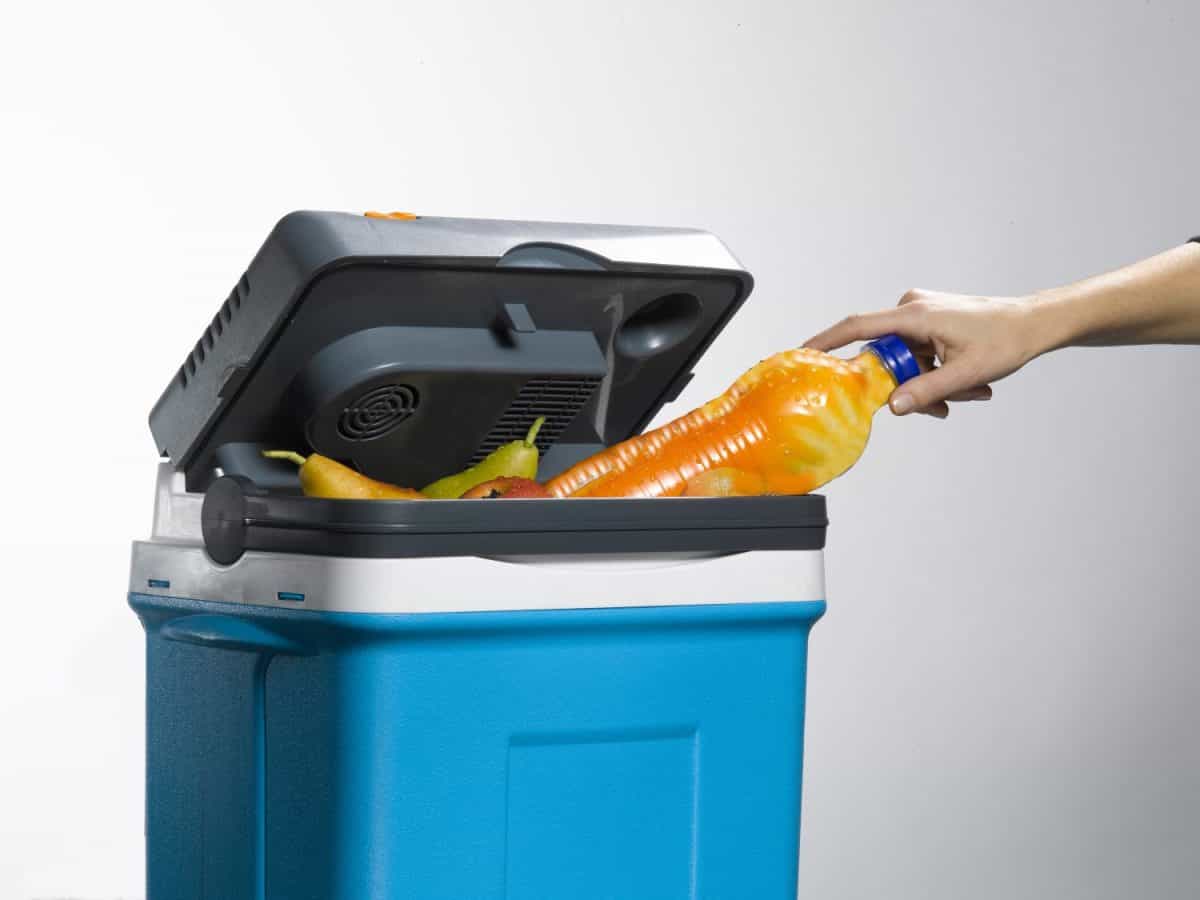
(1056, 318)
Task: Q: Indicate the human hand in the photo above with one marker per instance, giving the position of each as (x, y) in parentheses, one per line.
(963, 343)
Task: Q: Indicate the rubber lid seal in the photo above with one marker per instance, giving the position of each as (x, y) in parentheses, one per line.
(894, 354)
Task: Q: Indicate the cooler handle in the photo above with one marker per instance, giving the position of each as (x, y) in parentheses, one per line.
(230, 633)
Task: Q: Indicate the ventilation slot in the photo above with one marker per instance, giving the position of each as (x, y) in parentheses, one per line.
(214, 331)
(558, 399)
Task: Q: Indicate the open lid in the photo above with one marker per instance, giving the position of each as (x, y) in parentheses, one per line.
(410, 347)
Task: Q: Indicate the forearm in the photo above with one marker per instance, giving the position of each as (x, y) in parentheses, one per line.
(1156, 301)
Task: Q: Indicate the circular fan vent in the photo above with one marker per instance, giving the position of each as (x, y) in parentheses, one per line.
(377, 412)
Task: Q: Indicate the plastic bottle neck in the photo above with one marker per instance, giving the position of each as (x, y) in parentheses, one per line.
(893, 355)
(880, 380)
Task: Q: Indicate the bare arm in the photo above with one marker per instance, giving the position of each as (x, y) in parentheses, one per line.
(1155, 301)
(978, 340)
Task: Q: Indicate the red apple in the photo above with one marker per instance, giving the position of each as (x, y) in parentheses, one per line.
(506, 488)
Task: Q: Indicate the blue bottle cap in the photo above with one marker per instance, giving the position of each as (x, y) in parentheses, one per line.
(894, 354)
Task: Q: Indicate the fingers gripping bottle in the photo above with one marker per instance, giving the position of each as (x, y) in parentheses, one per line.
(789, 425)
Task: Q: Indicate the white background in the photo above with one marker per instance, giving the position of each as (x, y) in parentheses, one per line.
(1005, 694)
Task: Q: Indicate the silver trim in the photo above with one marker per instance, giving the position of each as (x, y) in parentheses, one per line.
(631, 244)
(475, 584)
(174, 563)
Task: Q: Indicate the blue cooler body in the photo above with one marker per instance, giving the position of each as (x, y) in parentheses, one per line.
(493, 700)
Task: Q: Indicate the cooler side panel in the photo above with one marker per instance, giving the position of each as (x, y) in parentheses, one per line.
(305, 825)
(201, 773)
(751, 760)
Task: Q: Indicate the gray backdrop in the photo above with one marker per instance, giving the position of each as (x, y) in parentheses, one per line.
(1004, 694)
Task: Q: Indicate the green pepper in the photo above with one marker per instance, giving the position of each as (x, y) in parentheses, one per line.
(516, 459)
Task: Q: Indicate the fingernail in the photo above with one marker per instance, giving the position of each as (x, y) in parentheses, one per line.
(902, 404)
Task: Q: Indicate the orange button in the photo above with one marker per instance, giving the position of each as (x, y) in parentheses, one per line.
(400, 216)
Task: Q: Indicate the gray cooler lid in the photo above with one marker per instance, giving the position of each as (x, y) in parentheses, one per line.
(409, 348)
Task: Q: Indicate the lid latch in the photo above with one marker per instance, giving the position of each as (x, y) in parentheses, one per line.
(516, 317)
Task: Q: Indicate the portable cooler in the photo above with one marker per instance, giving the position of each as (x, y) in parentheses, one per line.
(464, 699)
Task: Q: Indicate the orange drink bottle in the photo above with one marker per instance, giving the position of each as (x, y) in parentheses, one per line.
(790, 424)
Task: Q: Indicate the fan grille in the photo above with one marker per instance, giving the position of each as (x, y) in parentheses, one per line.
(377, 412)
(558, 399)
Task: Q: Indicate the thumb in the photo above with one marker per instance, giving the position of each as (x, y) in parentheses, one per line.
(932, 387)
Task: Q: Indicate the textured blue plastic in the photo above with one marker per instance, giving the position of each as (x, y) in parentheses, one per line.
(624, 753)
(897, 356)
